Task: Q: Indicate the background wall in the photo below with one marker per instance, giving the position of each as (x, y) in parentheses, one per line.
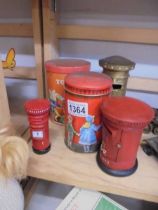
(15, 9)
(18, 11)
(121, 13)
(136, 13)
(134, 7)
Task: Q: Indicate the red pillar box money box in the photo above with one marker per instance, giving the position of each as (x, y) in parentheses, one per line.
(84, 93)
(38, 113)
(123, 121)
(56, 72)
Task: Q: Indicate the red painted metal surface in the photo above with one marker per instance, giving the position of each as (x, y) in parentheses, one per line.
(84, 93)
(123, 121)
(38, 114)
(56, 72)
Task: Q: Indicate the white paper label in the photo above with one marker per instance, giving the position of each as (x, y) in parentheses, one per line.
(78, 109)
(37, 134)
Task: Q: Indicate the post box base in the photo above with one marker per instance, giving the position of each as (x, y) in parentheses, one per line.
(41, 152)
(119, 173)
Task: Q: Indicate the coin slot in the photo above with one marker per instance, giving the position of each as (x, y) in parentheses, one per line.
(116, 86)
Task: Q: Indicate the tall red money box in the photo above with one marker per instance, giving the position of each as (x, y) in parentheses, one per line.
(38, 114)
(123, 121)
(84, 93)
(56, 70)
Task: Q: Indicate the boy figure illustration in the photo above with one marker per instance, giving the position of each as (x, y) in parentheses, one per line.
(71, 131)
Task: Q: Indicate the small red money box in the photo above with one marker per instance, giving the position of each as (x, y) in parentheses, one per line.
(123, 121)
(38, 114)
(56, 71)
(84, 93)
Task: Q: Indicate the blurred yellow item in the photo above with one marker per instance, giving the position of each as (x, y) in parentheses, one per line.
(10, 62)
(86, 125)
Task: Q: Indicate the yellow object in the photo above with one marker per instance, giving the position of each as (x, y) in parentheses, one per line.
(10, 62)
(86, 125)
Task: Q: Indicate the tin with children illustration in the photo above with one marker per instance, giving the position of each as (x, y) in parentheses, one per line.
(56, 70)
(84, 93)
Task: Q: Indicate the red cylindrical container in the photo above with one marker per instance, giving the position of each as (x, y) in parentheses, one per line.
(123, 121)
(56, 72)
(84, 93)
(38, 114)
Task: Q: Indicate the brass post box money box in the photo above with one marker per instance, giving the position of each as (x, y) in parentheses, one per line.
(117, 68)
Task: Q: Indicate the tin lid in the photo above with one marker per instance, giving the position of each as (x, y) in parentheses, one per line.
(88, 83)
(67, 66)
(127, 111)
(117, 63)
(37, 106)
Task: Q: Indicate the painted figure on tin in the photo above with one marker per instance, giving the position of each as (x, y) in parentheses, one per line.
(57, 106)
(88, 133)
(71, 131)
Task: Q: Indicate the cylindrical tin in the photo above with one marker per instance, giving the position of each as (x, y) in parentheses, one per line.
(38, 114)
(123, 121)
(84, 93)
(56, 72)
(117, 68)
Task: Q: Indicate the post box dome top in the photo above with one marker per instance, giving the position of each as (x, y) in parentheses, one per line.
(37, 106)
(67, 66)
(117, 63)
(127, 111)
(88, 83)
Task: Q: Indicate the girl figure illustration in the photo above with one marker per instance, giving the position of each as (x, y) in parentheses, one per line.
(88, 133)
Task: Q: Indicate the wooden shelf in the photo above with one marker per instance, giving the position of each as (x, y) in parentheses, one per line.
(18, 117)
(65, 166)
(117, 34)
(33, 30)
(20, 123)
